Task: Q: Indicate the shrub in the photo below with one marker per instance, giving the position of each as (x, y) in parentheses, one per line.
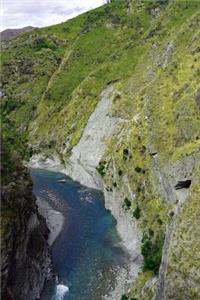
(124, 297)
(127, 203)
(52, 144)
(137, 212)
(125, 154)
(138, 169)
(152, 253)
(151, 232)
(101, 168)
(120, 172)
(42, 42)
(66, 29)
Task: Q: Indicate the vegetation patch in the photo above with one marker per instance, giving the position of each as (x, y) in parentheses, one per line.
(151, 250)
(127, 203)
(137, 212)
(101, 168)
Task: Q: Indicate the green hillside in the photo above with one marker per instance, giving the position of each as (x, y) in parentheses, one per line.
(149, 51)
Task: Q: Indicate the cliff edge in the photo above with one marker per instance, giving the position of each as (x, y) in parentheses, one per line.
(25, 254)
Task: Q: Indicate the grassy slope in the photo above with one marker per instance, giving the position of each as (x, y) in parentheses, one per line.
(53, 78)
(93, 62)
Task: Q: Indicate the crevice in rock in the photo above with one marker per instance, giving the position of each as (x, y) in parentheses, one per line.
(183, 184)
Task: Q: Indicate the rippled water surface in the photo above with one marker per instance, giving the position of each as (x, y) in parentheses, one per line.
(87, 254)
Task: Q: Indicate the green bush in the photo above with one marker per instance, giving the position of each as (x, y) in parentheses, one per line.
(152, 253)
(120, 172)
(125, 154)
(139, 170)
(43, 42)
(101, 168)
(137, 212)
(127, 203)
(124, 297)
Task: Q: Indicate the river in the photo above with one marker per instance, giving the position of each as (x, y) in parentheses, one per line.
(88, 254)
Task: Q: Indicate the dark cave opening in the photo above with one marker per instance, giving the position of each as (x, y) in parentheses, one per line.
(183, 184)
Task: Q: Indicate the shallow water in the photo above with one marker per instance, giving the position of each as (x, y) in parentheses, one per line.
(88, 253)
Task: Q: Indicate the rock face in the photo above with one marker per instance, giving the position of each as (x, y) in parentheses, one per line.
(87, 154)
(25, 255)
(174, 180)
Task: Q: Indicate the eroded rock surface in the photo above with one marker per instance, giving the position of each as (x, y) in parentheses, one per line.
(25, 255)
(87, 154)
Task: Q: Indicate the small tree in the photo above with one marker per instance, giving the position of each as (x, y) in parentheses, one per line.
(127, 203)
(152, 253)
(124, 297)
(137, 212)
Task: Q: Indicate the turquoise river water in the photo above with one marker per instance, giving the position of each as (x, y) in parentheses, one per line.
(88, 253)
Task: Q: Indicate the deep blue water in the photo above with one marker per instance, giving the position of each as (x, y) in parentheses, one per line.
(87, 253)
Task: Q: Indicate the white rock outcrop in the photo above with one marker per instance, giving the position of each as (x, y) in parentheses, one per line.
(87, 154)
